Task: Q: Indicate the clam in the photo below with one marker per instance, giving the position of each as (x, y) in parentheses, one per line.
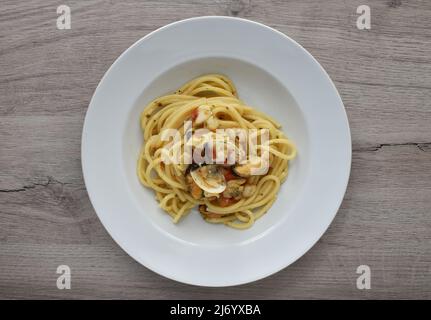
(209, 178)
(254, 166)
(234, 188)
(249, 190)
(194, 189)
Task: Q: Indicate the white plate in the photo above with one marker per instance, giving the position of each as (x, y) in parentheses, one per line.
(273, 73)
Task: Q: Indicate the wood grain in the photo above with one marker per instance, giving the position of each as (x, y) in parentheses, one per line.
(48, 77)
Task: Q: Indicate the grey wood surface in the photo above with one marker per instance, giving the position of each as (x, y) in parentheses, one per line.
(46, 82)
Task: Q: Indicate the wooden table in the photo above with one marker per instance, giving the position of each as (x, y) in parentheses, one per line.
(48, 77)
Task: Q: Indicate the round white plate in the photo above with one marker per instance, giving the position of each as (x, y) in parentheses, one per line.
(273, 73)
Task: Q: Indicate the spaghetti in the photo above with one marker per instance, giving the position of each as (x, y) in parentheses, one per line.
(226, 194)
